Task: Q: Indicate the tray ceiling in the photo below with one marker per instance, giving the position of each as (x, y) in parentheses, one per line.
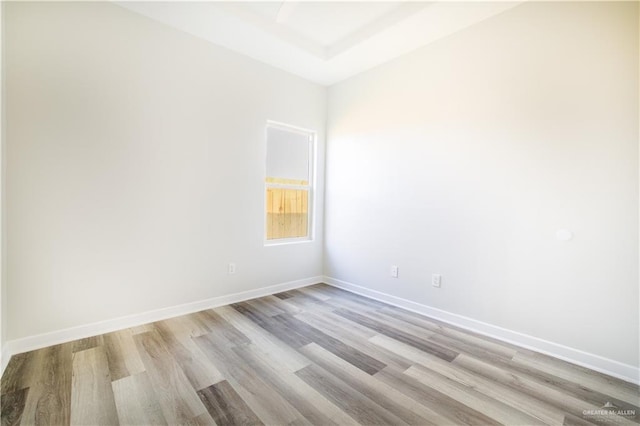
(324, 42)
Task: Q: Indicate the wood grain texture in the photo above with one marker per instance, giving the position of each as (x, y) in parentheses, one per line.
(470, 397)
(385, 396)
(178, 399)
(198, 369)
(92, 400)
(13, 406)
(544, 412)
(226, 407)
(317, 355)
(49, 397)
(284, 295)
(357, 405)
(136, 401)
(278, 328)
(501, 349)
(400, 335)
(19, 372)
(267, 342)
(87, 343)
(358, 341)
(614, 388)
(258, 393)
(357, 358)
(310, 403)
(447, 410)
(122, 355)
(549, 394)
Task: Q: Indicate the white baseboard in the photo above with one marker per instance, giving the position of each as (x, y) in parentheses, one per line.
(595, 362)
(4, 357)
(25, 344)
(604, 365)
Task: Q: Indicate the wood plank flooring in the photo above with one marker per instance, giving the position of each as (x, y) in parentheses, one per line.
(317, 355)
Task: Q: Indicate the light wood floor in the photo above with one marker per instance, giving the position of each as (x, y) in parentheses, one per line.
(317, 355)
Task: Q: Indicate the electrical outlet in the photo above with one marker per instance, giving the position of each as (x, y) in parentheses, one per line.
(232, 268)
(394, 271)
(436, 280)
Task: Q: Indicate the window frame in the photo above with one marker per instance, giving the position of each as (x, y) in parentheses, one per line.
(310, 187)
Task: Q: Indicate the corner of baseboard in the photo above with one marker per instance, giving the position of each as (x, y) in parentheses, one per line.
(594, 362)
(5, 357)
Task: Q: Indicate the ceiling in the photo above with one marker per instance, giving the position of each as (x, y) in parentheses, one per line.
(321, 41)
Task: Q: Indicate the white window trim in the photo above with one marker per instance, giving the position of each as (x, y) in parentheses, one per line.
(310, 187)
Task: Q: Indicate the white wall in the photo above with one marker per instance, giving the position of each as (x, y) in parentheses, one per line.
(136, 158)
(3, 310)
(465, 157)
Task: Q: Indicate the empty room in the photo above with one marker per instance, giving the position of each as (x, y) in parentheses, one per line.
(320, 213)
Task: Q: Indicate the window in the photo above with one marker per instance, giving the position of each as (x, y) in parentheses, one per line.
(288, 183)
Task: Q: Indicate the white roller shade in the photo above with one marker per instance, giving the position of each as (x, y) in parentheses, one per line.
(287, 154)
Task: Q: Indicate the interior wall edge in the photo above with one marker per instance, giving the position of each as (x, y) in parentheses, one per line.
(595, 362)
(3, 227)
(29, 343)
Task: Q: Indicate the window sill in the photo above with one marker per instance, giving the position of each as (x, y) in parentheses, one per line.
(286, 242)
